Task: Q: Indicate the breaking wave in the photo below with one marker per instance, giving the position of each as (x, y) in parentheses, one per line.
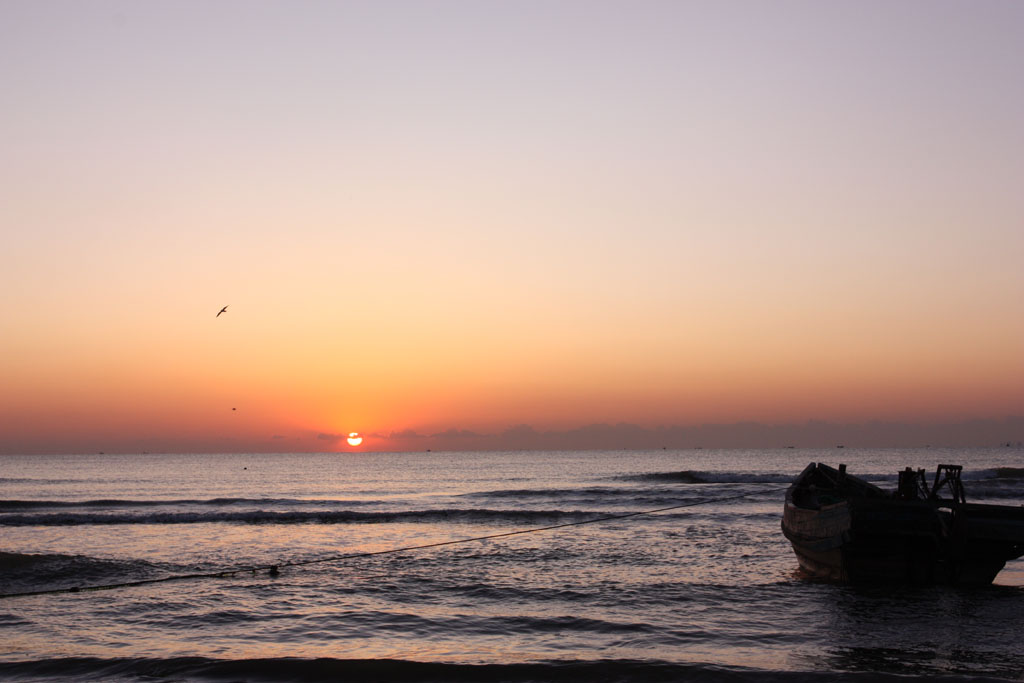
(475, 516)
(692, 477)
(15, 505)
(518, 494)
(27, 571)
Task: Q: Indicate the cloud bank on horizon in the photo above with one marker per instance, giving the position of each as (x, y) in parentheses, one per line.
(1003, 432)
(1006, 432)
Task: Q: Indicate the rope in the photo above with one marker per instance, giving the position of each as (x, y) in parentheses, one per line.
(274, 569)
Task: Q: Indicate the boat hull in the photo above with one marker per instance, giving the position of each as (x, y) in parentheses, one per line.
(870, 538)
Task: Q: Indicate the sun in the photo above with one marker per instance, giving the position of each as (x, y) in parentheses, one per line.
(354, 439)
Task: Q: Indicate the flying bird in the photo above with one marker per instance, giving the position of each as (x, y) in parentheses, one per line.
(223, 310)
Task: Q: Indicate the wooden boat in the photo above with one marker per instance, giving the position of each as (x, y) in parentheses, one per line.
(846, 529)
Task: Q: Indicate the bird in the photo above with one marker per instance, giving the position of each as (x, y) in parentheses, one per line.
(223, 310)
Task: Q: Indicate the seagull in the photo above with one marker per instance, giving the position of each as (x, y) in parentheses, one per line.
(223, 310)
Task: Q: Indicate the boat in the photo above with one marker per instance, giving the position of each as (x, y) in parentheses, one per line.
(843, 528)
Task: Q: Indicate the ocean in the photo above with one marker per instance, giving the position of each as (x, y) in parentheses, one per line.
(374, 582)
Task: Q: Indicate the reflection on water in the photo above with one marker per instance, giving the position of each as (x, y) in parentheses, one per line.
(919, 630)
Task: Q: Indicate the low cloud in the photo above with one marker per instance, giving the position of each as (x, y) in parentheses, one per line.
(457, 434)
(1005, 432)
(809, 434)
(406, 434)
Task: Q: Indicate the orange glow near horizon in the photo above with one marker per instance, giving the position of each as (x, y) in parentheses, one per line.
(185, 385)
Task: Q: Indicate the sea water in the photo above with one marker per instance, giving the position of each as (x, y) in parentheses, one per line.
(706, 590)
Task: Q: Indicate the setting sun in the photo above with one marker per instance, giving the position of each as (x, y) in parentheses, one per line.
(354, 439)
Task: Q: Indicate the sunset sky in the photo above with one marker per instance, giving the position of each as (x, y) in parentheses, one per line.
(476, 217)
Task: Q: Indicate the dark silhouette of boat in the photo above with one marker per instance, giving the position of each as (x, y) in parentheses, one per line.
(846, 529)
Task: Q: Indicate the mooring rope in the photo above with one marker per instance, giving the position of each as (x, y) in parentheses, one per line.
(274, 569)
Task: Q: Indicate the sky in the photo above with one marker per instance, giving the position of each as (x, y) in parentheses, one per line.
(444, 220)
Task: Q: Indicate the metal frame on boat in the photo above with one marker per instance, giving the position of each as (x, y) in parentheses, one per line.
(844, 528)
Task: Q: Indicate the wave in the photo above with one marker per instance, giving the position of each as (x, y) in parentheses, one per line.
(994, 497)
(697, 477)
(330, 669)
(1010, 473)
(18, 561)
(517, 494)
(34, 562)
(470, 516)
(33, 480)
(634, 497)
(30, 572)
(685, 477)
(11, 505)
